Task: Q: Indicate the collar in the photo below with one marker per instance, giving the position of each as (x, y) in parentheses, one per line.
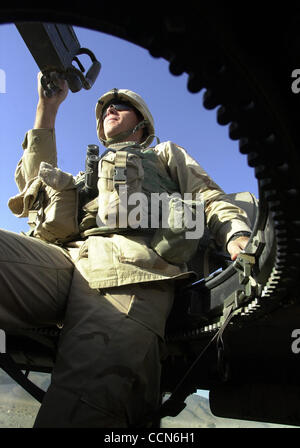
(121, 145)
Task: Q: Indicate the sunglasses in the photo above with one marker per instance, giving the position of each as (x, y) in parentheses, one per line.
(116, 106)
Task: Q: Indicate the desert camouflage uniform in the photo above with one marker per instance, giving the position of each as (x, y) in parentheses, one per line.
(112, 292)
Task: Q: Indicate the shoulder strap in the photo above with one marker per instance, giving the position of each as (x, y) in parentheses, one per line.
(8, 364)
(120, 174)
(12, 369)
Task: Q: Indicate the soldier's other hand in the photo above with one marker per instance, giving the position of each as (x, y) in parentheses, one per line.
(58, 95)
(236, 246)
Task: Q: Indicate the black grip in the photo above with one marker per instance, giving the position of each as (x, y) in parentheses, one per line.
(92, 74)
(50, 88)
(91, 168)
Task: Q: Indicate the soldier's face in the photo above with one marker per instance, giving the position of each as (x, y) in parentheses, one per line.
(117, 121)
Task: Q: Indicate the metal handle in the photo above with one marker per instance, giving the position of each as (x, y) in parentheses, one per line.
(88, 80)
(74, 77)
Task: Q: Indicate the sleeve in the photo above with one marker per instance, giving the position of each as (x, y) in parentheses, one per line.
(39, 145)
(223, 218)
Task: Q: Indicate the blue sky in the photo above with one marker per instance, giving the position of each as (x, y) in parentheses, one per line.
(179, 115)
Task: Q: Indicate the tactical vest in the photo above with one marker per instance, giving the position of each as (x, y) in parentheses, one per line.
(127, 179)
(131, 172)
(131, 176)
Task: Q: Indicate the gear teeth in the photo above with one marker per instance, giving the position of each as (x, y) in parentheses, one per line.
(212, 327)
(210, 100)
(195, 83)
(244, 108)
(176, 66)
(251, 308)
(272, 283)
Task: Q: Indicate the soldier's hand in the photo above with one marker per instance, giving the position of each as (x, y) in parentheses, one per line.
(59, 95)
(236, 246)
(47, 107)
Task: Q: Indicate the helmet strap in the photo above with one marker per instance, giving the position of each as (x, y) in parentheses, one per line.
(148, 140)
(123, 135)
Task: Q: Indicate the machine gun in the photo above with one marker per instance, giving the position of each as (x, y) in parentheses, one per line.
(54, 47)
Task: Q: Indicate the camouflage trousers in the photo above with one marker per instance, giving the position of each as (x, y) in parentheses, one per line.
(108, 366)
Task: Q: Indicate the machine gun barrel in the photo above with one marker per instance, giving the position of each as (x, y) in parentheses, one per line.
(54, 48)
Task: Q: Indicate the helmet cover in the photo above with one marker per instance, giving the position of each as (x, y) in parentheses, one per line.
(130, 97)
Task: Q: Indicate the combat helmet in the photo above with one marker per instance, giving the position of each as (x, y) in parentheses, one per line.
(138, 103)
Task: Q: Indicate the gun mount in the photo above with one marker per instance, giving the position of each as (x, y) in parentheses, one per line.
(54, 48)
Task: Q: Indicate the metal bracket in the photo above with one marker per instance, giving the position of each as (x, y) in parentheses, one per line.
(244, 265)
(120, 175)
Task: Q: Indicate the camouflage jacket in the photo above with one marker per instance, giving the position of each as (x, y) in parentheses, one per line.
(116, 259)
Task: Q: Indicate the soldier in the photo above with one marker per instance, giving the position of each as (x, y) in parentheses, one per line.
(112, 287)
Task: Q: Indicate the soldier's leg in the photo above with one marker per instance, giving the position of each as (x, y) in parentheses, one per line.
(108, 368)
(35, 279)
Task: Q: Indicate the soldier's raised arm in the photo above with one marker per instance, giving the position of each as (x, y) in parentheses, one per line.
(47, 108)
(39, 144)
